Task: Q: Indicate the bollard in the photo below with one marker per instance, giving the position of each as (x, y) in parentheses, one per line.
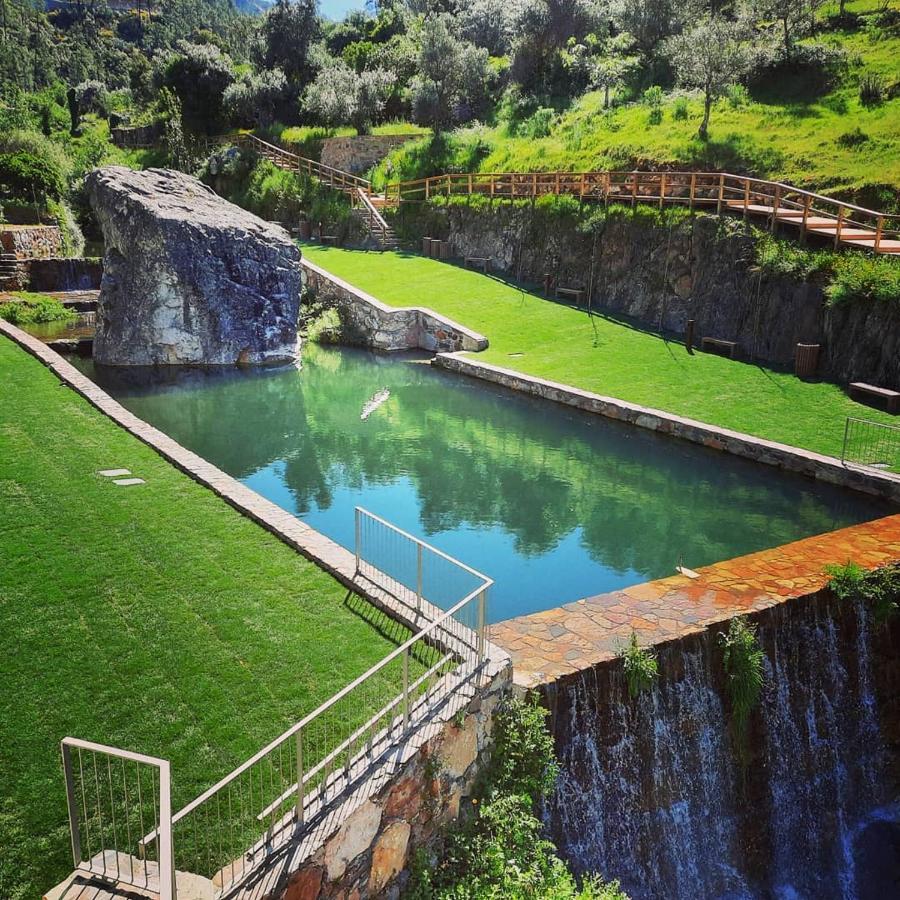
(689, 336)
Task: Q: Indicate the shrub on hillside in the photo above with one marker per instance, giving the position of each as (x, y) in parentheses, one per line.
(859, 277)
(871, 90)
(29, 177)
(819, 65)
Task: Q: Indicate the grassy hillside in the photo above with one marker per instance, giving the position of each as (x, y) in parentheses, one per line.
(782, 127)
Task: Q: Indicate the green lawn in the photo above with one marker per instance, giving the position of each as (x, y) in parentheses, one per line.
(605, 355)
(155, 618)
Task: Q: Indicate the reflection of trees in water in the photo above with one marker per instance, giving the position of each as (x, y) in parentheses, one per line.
(481, 456)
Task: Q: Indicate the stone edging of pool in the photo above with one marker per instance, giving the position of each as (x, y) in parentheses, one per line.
(315, 546)
(550, 645)
(791, 459)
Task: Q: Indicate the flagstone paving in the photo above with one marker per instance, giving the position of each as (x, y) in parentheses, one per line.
(548, 645)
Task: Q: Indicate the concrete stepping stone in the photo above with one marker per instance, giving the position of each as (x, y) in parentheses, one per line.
(127, 482)
(114, 473)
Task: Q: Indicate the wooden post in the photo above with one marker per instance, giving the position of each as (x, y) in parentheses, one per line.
(534, 184)
(840, 222)
(721, 194)
(693, 187)
(746, 195)
(557, 184)
(470, 184)
(492, 187)
(879, 227)
(662, 189)
(428, 188)
(581, 191)
(689, 336)
(634, 179)
(776, 207)
(806, 202)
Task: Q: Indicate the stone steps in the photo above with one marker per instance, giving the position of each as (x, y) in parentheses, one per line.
(387, 240)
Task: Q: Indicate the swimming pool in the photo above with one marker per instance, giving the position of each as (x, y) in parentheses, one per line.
(552, 503)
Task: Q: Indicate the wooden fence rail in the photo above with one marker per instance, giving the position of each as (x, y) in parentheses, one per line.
(778, 203)
(781, 204)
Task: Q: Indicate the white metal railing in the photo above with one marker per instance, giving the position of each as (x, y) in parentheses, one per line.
(112, 797)
(875, 445)
(290, 781)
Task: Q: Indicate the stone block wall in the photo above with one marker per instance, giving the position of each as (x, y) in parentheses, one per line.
(136, 136)
(369, 854)
(66, 274)
(359, 154)
(702, 268)
(31, 241)
(367, 322)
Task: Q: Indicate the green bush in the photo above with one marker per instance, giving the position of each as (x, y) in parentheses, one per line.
(784, 258)
(680, 109)
(871, 90)
(538, 124)
(855, 138)
(878, 588)
(743, 662)
(34, 309)
(640, 666)
(27, 176)
(860, 277)
(500, 851)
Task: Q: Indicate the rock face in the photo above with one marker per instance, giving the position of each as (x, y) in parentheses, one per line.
(189, 278)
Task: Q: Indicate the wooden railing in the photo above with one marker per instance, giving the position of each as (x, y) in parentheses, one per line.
(781, 203)
(286, 159)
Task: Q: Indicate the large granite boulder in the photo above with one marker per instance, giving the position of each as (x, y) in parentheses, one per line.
(190, 278)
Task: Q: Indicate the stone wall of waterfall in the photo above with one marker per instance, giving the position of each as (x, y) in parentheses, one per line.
(654, 792)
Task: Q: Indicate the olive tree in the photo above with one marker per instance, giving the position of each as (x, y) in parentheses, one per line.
(255, 99)
(452, 79)
(711, 56)
(795, 18)
(341, 96)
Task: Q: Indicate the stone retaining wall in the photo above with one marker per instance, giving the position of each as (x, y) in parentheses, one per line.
(369, 854)
(31, 241)
(370, 323)
(64, 274)
(359, 154)
(701, 268)
(792, 459)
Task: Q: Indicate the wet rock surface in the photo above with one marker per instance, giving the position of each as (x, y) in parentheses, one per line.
(189, 278)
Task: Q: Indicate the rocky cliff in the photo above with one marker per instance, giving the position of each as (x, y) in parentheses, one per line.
(700, 268)
(189, 278)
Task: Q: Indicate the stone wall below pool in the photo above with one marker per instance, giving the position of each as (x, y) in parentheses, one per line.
(368, 322)
(31, 241)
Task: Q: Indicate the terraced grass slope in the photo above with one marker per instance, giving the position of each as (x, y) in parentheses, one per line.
(606, 355)
(155, 618)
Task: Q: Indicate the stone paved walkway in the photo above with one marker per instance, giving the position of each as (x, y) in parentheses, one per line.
(547, 645)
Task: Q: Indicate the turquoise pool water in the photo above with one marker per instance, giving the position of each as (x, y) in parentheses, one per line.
(551, 503)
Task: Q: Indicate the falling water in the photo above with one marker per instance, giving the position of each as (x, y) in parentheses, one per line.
(653, 792)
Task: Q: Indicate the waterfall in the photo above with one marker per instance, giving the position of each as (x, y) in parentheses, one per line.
(652, 791)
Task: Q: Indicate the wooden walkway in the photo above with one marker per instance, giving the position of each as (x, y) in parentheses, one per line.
(799, 211)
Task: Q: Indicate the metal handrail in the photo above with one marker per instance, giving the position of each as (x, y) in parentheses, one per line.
(104, 794)
(280, 769)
